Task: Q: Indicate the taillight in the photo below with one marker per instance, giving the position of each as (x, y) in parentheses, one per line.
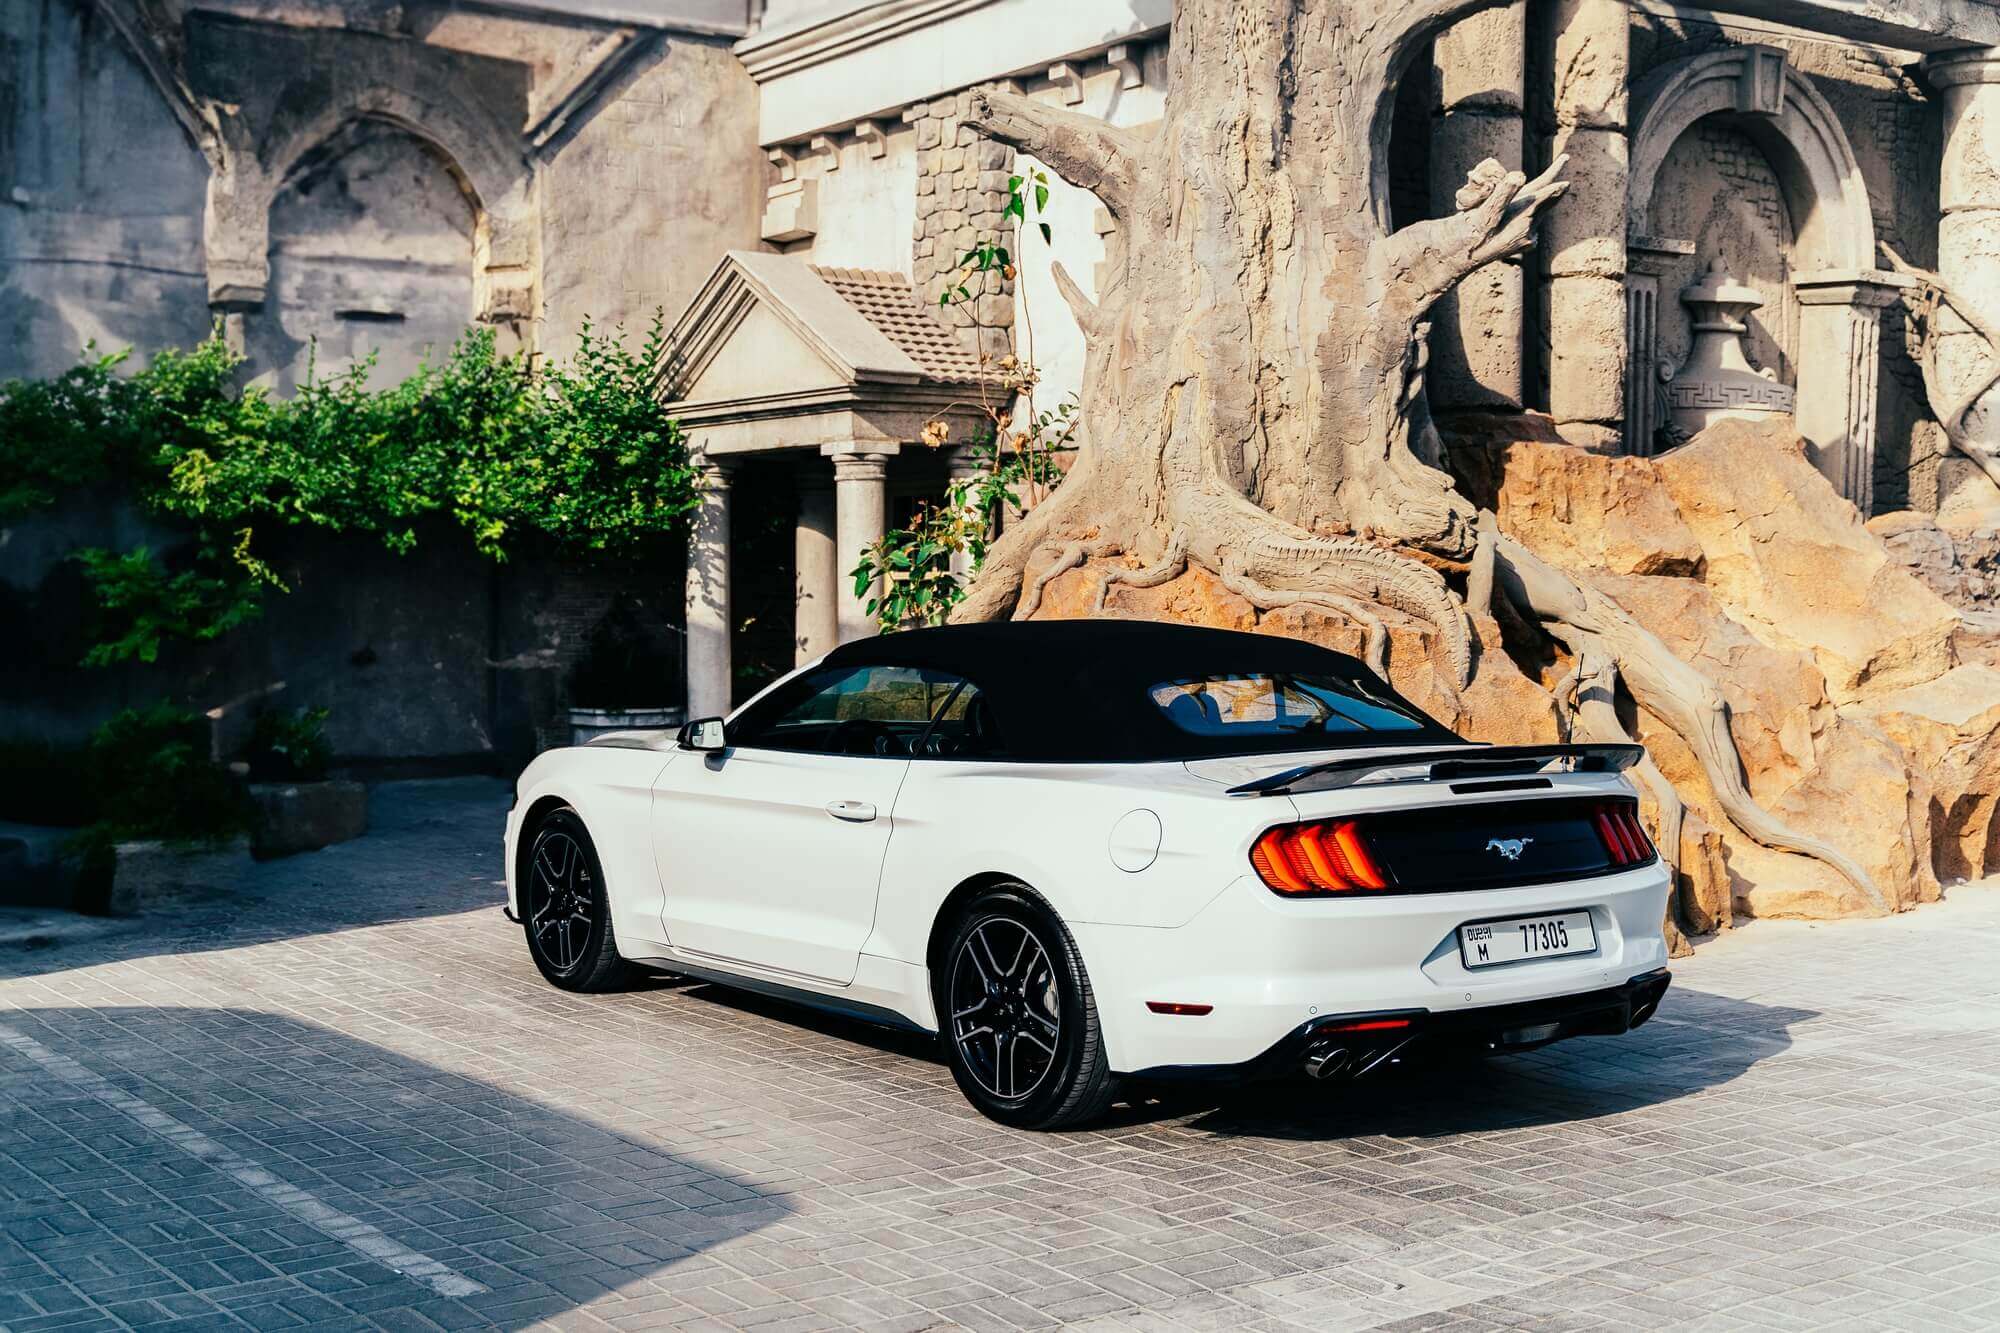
(1623, 835)
(1313, 860)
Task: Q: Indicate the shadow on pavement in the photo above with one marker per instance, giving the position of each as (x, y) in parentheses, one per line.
(543, 1209)
(1698, 1041)
(432, 849)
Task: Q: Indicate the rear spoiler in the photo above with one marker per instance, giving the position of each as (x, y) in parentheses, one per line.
(1470, 761)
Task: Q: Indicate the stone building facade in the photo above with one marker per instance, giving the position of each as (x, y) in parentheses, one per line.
(355, 175)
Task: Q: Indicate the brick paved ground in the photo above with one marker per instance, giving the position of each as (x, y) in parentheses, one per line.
(220, 1118)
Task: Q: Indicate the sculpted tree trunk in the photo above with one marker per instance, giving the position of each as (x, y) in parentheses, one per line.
(1253, 391)
(1253, 387)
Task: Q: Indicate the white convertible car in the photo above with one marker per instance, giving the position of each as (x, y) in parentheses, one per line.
(1090, 850)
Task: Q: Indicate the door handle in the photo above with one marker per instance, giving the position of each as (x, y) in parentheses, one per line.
(854, 812)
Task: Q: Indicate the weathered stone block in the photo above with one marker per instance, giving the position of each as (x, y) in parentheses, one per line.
(929, 133)
(995, 310)
(39, 867)
(1585, 233)
(1593, 62)
(305, 816)
(1587, 358)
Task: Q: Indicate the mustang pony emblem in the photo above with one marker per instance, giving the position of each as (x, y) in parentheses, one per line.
(1511, 848)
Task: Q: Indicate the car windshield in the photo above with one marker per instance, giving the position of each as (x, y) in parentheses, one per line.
(1281, 710)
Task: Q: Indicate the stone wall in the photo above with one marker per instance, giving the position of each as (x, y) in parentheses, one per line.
(100, 196)
(642, 198)
(374, 248)
(439, 658)
(961, 189)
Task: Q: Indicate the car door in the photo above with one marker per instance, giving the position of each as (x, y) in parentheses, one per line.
(770, 852)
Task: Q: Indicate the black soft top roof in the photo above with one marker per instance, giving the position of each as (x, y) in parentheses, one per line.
(1076, 690)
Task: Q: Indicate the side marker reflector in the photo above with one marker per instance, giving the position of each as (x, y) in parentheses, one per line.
(1186, 1010)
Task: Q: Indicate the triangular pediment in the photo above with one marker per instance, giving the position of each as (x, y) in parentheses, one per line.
(763, 351)
(765, 325)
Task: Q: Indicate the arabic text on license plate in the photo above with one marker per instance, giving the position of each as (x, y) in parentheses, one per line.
(1492, 943)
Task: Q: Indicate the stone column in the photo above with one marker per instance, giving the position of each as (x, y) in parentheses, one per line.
(816, 624)
(861, 503)
(1840, 374)
(1969, 230)
(1583, 238)
(709, 684)
(1648, 259)
(1477, 333)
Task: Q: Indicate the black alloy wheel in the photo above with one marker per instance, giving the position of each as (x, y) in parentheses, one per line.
(564, 911)
(1017, 1018)
(1005, 1015)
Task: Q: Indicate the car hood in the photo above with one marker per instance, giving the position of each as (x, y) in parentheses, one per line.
(634, 740)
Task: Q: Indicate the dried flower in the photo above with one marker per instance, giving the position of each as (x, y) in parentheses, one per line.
(1009, 361)
(936, 433)
(1008, 271)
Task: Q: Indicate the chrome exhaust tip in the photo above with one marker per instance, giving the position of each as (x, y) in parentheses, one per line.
(1326, 1059)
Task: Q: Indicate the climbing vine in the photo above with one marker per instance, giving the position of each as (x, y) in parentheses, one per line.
(1019, 462)
(579, 453)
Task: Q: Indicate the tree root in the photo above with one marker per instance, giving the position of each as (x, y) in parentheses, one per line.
(1165, 570)
(1070, 557)
(1336, 571)
(1588, 696)
(1000, 581)
(1267, 599)
(1588, 622)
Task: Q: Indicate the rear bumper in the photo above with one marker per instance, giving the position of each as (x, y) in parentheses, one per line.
(1268, 967)
(1602, 1013)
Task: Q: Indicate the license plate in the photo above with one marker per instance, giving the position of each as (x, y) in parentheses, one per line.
(1493, 943)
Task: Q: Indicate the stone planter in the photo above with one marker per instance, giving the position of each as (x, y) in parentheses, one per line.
(148, 873)
(40, 867)
(585, 723)
(306, 816)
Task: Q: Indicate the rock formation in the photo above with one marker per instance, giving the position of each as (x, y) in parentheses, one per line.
(1257, 452)
(1865, 707)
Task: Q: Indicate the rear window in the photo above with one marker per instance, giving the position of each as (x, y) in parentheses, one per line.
(1275, 710)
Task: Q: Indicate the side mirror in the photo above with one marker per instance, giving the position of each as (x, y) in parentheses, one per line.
(705, 735)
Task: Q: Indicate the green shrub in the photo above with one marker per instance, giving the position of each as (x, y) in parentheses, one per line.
(146, 773)
(290, 746)
(581, 455)
(159, 781)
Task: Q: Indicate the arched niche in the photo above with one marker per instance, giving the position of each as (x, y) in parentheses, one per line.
(468, 110)
(371, 255)
(1756, 91)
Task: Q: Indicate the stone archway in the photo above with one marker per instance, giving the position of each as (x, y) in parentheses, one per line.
(1841, 293)
(468, 109)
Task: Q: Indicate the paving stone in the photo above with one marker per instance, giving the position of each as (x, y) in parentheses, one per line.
(1801, 1139)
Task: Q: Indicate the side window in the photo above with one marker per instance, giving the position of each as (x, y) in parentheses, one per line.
(966, 729)
(878, 710)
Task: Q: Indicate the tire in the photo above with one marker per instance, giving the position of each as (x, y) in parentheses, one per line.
(565, 914)
(1033, 1066)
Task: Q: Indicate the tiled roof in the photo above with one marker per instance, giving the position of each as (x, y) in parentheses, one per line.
(889, 303)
